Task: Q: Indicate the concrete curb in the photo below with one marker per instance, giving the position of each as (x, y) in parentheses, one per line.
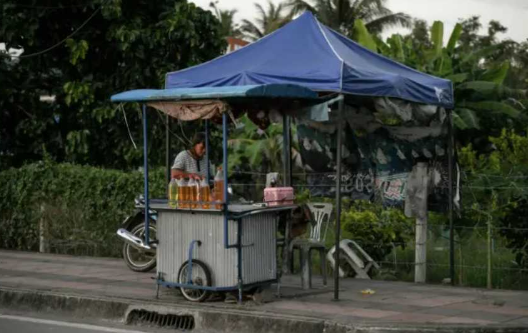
(208, 318)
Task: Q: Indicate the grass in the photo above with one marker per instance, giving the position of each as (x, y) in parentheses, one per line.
(471, 263)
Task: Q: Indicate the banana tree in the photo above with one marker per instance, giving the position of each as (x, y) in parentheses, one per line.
(481, 99)
(258, 149)
(255, 152)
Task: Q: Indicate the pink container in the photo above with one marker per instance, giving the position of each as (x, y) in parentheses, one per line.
(278, 196)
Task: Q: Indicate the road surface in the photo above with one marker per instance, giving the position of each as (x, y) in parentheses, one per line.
(23, 324)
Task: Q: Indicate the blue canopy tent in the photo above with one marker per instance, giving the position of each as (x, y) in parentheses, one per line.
(308, 54)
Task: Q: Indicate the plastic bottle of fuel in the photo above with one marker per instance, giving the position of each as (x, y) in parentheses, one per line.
(183, 193)
(204, 195)
(193, 192)
(173, 193)
(219, 188)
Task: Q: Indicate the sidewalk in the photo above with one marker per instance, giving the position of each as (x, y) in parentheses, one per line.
(393, 306)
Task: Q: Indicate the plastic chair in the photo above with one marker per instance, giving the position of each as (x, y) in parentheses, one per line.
(356, 257)
(320, 214)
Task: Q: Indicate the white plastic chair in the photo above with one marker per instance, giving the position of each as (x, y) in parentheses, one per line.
(356, 257)
(320, 218)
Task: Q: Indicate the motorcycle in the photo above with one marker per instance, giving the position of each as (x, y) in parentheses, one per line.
(139, 255)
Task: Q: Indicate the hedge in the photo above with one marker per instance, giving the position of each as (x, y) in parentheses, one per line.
(82, 206)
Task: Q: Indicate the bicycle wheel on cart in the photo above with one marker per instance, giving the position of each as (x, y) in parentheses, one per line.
(201, 276)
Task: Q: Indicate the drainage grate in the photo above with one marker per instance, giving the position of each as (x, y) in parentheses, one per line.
(183, 322)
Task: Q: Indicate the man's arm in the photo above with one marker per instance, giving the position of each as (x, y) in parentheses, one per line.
(177, 170)
(177, 173)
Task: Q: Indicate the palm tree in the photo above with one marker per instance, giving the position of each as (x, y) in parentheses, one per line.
(341, 14)
(228, 27)
(268, 21)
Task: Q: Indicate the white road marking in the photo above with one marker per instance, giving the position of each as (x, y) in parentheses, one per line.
(66, 324)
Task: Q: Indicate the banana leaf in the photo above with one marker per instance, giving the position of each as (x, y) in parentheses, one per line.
(469, 118)
(455, 36)
(363, 37)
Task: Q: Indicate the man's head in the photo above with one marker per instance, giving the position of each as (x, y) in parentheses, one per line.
(198, 144)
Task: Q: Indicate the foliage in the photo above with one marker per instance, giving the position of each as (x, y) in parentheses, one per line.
(483, 104)
(376, 229)
(80, 205)
(253, 152)
(123, 45)
(228, 27)
(261, 148)
(341, 15)
(268, 20)
(498, 191)
(469, 263)
(362, 36)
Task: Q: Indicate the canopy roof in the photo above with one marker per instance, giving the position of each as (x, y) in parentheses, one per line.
(307, 53)
(286, 91)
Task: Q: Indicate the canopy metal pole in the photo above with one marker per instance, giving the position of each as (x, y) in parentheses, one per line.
(226, 201)
(167, 150)
(286, 135)
(208, 170)
(338, 197)
(145, 173)
(450, 152)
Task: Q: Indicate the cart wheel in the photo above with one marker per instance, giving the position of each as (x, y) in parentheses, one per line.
(200, 277)
(137, 260)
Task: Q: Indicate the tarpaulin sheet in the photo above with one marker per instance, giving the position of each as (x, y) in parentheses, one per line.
(377, 159)
(309, 54)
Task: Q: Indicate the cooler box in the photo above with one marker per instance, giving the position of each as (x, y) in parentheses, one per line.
(278, 196)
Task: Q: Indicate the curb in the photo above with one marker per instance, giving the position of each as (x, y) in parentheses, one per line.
(224, 320)
(211, 319)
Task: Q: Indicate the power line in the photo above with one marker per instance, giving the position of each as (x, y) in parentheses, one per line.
(62, 41)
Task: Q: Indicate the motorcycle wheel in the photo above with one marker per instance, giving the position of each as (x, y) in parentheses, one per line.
(137, 260)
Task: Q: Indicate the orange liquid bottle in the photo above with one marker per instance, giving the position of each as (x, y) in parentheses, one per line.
(205, 194)
(188, 197)
(219, 194)
(194, 197)
(219, 189)
(193, 193)
(182, 193)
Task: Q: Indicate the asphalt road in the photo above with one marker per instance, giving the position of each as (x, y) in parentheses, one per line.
(21, 324)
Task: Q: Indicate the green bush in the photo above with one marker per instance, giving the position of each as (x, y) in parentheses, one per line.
(376, 229)
(81, 206)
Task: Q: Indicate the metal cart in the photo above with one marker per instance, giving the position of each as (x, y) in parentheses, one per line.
(199, 254)
(227, 249)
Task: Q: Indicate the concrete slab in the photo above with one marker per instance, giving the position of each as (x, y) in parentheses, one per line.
(393, 305)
